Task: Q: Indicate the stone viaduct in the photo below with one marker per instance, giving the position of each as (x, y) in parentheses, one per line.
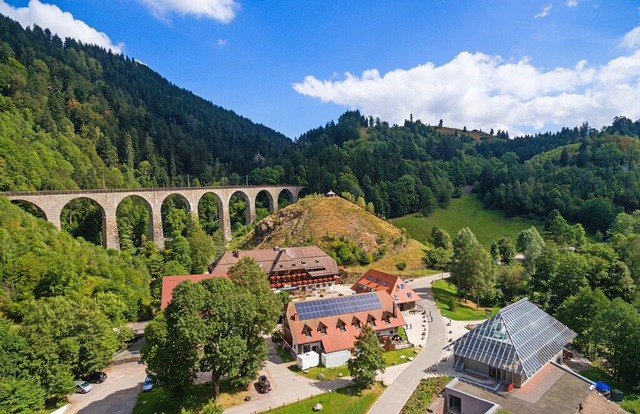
(51, 204)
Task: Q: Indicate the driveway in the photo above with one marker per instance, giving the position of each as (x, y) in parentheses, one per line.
(117, 395)
(287, 386)
(395, 397)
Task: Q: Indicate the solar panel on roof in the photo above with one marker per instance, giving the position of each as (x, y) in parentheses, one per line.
(337, 306)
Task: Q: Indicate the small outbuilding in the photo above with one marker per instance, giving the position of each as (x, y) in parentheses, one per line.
(308, 360)
(335, 359)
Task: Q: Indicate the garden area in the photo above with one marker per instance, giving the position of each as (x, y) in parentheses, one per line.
(446, 297)
(425, 394)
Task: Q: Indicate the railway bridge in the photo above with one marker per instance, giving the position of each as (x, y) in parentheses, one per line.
(51, 204)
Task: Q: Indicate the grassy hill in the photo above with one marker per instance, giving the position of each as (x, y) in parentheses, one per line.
(466, 211)
(313, 219)
(321, 221)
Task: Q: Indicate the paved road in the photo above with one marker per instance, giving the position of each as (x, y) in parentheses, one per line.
(117, 395)
(287, 387)
(395, 397)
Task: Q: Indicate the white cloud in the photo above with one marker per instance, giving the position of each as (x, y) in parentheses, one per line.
(61, 23)
(483, 91)
(572, 3)
(544, 12)
(221, 10)
(221, 42)
(631, 40)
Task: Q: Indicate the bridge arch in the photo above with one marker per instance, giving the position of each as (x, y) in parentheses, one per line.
(82, 216)
(30, 208)
(134, 218)
(238, 201)
(210, 212)
(285, 197)
(172, 220)
(265, 199)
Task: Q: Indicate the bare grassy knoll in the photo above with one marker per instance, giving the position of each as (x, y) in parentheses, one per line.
(311, 219)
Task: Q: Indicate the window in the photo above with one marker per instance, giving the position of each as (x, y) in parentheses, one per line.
(386, 317)
(385, 283)
(396, 296)
(368, 277)
(377, 280)
(306, 331)
(322, 328)
(409, 295)
(401, 285)
(356, 322)
(342, 326)
(371, 320)
(360, 286)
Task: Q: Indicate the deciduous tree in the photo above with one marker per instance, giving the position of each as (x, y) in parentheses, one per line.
(368, 360)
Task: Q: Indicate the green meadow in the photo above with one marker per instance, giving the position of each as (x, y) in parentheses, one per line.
(466, 211)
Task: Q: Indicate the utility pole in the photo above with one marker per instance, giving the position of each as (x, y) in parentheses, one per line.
(188, 182)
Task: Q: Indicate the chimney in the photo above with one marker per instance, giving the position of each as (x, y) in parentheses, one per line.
(295, 317)
(395, 309)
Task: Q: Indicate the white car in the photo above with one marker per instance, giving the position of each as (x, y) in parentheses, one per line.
(83, 387)
(147, 385)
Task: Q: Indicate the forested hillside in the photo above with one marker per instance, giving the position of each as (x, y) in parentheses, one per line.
(582, 172)
(77, 116)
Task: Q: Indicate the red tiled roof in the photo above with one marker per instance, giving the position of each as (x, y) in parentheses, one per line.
(170, 282)
(335, 339)
(374, 280)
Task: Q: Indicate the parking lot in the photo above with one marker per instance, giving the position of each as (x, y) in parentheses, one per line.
(117, 395)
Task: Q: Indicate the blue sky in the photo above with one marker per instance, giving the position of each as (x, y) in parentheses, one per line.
(524, 66)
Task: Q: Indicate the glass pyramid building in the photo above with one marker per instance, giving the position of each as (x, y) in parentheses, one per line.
(520, 338)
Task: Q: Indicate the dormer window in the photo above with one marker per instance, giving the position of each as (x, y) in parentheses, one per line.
(409, 295)
(371, 320)
(385, 283)
(396, 296)
(341, 325)
(368, 277)
(377, 280)
(322, 328)
(386, 317)
(356, 322)
(306, 331)
(401, 285)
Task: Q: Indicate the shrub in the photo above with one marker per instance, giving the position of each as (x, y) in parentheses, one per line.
(401, 265)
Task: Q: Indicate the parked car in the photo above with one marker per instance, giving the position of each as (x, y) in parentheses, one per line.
(147, 385)
(82, 386)
(96, 377)
(264, 386)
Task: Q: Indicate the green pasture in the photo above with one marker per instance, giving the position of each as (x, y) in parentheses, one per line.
(466, 211)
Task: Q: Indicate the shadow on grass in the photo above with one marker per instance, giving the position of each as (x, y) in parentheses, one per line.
(194, 397)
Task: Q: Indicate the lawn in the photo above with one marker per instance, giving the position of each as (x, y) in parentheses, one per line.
(161, 401)
(444, 292)
(329, 373)
(466, 211)
(631, 402)
(424, 395)
(395, 357)
(348, 400)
